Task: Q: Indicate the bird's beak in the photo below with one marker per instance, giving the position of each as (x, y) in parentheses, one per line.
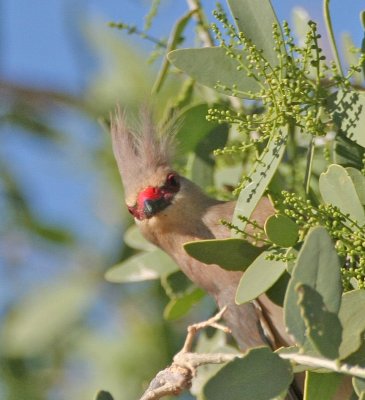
(153, 206)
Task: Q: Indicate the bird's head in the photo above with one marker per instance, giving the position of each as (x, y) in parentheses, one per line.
(144, 157)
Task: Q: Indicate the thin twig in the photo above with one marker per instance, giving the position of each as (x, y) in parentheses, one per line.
(176, 378)
(332, 365)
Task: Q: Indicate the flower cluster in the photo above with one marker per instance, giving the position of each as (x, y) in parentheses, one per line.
(293, 90)
(348, 235)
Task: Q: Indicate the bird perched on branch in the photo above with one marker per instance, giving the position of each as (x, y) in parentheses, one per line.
(170, 210)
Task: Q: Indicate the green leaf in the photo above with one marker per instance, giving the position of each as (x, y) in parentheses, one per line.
(174, 41)
(321, 386)
(142, 267)
(348, 113)
(351, 315)
(183, 295)
(176, 284)
(258, 278)
(231, 254)
(347, 152)
(359, 386)
(134, 239)
(260, 375)
(358, 357)
(200, 167)
(337, 188)
(211, 65)
(194, 127)
(358, 180)
(102, 395)
(180, 306)
(249, 17)
(260, 177)
(199, 137)
(217, 343)
(323, 328)
(317, 266)
(281, 230)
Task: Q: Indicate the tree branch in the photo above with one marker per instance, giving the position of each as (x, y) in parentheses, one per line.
(176, 378)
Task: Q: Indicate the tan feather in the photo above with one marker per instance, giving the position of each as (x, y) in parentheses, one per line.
(141, 148)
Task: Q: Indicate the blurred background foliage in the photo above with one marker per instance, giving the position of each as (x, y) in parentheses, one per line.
(64, 331)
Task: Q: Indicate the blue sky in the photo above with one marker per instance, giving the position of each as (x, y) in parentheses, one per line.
(41, 43)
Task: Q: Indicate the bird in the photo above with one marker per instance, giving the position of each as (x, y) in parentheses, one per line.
(171, 210)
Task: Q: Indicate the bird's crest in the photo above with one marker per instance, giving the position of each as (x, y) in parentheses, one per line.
(142, 147)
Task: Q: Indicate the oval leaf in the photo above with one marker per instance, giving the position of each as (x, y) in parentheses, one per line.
(281, 230)
(259, 277)
(324, 329)
(180, 306)
(321, 386)
(337, 188)
(348, 111)
(248, 17)
(317, 266)
(260, 375)
(351, 315)
(260, 177)
(230, 254)
(210, 66)
(358, 180)
(142, 267)
(359, 386)
(347, 152)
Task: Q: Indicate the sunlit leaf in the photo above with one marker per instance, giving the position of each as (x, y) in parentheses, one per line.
(248, 19)
(180, 306)
(337, 188)
(261, 176)
(358, 180)
(210, 66)
(321, 386)
(347, 152)
(142, 267)
(348, 113)
(259, 277)
(359, 386)
(281, 230)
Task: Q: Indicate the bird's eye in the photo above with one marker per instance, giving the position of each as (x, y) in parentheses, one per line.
(172, 180)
